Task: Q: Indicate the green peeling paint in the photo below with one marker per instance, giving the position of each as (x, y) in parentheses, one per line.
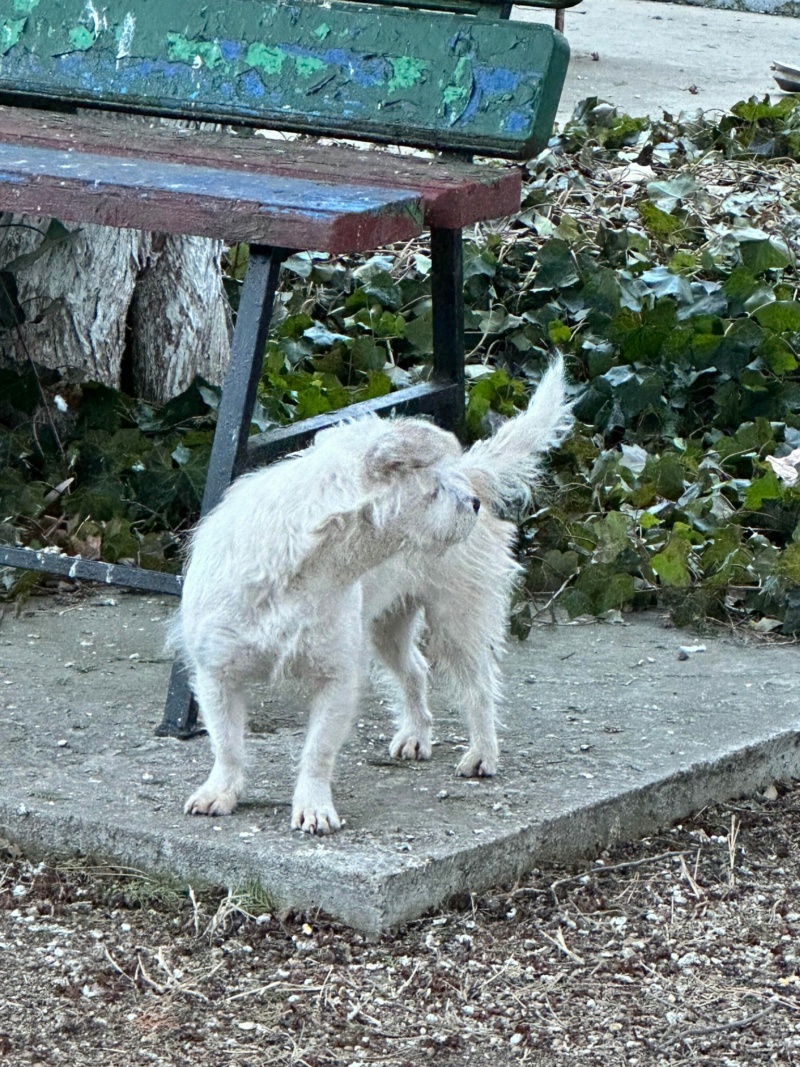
(322, 31)
(80, 38)
(463, 71)
(406, 72)
(10, 33)
(456, 95)
(24, 7)
(185, 50)
(268, 60)
(308, 65)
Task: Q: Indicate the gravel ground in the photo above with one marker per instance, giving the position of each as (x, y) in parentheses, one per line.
(681, 949)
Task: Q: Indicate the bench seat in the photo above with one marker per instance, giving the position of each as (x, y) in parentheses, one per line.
(453, 191)
(122, 172)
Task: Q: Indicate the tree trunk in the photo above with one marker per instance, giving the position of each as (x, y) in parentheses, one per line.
(179, 317)
(122, 307)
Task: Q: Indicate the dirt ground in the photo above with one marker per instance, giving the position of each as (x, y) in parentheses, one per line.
(681, 949)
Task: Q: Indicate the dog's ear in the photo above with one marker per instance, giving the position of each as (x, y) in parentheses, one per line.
(342, 524)
(410, 446)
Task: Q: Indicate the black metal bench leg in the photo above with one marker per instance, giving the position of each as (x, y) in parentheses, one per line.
(233, 428)
(447, 294)
(180, 709)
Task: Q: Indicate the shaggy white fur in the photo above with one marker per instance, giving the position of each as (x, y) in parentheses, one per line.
(382, 530)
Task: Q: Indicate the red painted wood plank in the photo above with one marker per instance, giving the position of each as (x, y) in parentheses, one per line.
(143, 193)
(454, 192)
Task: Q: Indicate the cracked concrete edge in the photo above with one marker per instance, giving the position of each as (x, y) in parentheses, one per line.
(383, 903)
(588, 829)
(50, 835)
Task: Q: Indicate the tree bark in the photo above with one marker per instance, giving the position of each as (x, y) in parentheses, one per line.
(120, 306)
(179, 317)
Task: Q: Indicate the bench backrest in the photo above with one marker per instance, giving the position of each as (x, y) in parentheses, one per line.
(380, 72)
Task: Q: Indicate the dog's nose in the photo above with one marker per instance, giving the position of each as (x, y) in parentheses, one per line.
(476, 505)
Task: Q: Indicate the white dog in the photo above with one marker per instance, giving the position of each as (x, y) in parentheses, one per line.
(381, 531)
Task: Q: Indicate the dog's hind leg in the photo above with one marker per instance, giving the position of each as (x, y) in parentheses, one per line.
(469, 666)
(394, 639)
(476, 685)
(224, 712)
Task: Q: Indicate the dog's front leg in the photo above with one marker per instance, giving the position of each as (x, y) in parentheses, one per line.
(333, 709)
(223, 709)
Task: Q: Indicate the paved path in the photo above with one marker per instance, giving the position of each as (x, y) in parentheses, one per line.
(649, 54)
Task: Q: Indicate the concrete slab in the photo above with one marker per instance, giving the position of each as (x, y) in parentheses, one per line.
(607, 736)
(657, 56)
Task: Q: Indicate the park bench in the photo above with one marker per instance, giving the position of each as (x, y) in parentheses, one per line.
(453, 76)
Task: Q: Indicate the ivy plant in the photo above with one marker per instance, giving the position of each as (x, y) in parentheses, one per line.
(660, 256)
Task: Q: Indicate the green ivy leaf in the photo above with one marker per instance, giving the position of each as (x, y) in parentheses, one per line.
(658, 222)
(670, 564)
(599, 588)
(782, 316)
(365, 355)
(763, 255)
(767, 487)
(556, 265)
(777, 355)
(667, 195)
(788, 566)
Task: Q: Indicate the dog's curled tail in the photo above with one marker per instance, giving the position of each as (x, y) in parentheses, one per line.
(505, 466)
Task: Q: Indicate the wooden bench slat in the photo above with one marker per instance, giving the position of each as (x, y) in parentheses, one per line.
(204, 201)
(385, 74)
(454, 192)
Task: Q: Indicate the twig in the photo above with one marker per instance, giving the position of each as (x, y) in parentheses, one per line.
(720, 1028)
(495, 976)
(408, 980)
(733, 836)
(284, 987)
(554, 597)
(141, 972)
(196, 910)
(692, 879)
(561, 944)
(627, 865)
(116, 966)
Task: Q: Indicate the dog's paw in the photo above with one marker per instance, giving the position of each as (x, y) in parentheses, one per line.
(312, 808)
(410, 745)
(316, 820)
(477, 764)
(211, 802)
